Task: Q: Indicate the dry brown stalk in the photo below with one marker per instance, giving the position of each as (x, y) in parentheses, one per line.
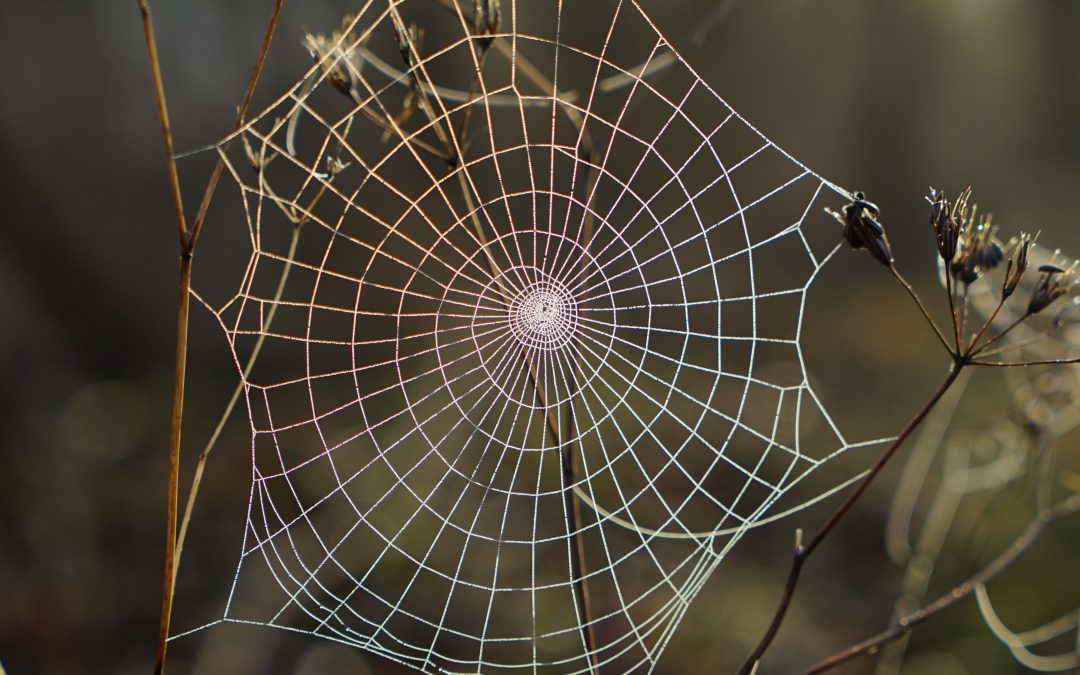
(187, 241)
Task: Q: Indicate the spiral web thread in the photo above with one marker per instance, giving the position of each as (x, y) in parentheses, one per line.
(572, 279)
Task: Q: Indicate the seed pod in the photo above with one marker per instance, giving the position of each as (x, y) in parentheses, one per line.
(1053, 283)
(487, 19)
(1017, 265)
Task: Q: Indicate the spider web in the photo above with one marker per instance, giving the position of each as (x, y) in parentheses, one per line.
(528, 322)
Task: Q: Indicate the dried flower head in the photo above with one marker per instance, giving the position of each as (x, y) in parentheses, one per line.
(256, 160)
(487, 19)
(946, 227)
(861, 228)
(979, 250)
(335, 165)
(1017, 264)
(338, 56)
(1053, 283)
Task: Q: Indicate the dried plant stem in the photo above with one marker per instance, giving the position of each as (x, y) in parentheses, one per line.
(572, 505)
(1021, 544)
(188, 241)
(986, 325)
(1005, 331)
(577, 556)
(803, 552)
(950, 291)
(1014, 364)
(163, 117)
(922, 308)
(182, 315)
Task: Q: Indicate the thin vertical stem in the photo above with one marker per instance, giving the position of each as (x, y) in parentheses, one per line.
(182, 314)
(179, 377)
(187, 241)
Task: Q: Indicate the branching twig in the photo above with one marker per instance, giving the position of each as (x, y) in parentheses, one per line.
(803, 552)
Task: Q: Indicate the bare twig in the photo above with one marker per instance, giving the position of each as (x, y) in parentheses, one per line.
(182, 313)
(950, 291)
(1014, 364)
(986, 324)
(163, 117)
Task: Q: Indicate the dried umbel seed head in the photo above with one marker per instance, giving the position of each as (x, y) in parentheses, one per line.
(861, 228)
(1017, 264)
(338, 57)
(487, 19)
(1053, 283)
(326, 52)
(979, 250)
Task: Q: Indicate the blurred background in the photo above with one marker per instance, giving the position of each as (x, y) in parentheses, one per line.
(888, 97)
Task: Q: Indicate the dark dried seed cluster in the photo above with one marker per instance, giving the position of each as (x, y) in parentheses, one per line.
(979, 250)
(946, 225)
(861, 228)
(408, 38)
